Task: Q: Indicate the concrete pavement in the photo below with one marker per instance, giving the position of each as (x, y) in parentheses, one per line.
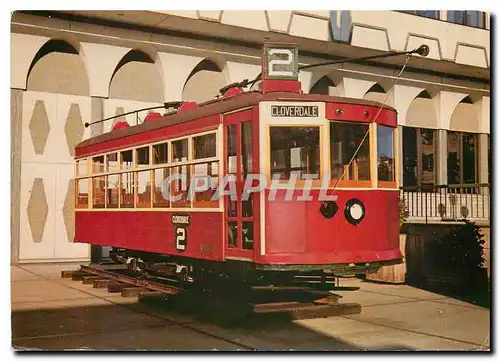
(52, 313)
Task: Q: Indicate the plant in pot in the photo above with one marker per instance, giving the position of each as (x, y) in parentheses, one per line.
(458, 256)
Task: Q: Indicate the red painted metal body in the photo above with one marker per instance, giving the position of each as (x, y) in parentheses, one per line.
(296, 233)
(151, 232)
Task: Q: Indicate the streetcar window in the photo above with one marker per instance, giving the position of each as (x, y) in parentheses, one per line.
(232, 234)
(180, 150)
(179, 186)
(144, 189)
(81, 168)
(160, 153)
(112, 191)
(127, 190)
(82, 193)
(200, 173)
(142, 157)
(204, 146)
(112, 164)
(385, 153)
(295, 152)
(247, 235)
(345, 138)
(160, 175)
(246, 147)
(98, 164)
(247, 164)
(126, 159)
(98, 189)
(231, 149)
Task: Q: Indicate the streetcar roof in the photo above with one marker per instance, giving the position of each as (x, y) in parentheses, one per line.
(220, 106)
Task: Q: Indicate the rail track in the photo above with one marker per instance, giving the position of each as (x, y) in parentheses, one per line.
(307, 299)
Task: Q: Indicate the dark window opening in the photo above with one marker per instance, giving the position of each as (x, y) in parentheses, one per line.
(470, 18)
(418, 157)
(295, 152)
(345, 138)
(432, 14)
(462, 158)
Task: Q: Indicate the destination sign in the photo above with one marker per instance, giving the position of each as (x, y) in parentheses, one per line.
(294, 111)
(181, 219)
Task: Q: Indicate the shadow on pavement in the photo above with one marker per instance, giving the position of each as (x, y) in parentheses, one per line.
(140, 326)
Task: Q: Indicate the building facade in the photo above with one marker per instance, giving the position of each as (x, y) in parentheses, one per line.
(68, 68)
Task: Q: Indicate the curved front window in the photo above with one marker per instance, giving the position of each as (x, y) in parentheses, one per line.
(295, 152)
(385, 154)
(346, 164)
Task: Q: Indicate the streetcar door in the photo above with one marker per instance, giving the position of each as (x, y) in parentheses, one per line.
(240, 225)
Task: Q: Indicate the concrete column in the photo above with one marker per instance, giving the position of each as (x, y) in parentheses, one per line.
(441, 157)
(100, 62)
(23, 48)
(354, 88)
(483, 158)
(16, 136)
(176, 69)
(97, 113)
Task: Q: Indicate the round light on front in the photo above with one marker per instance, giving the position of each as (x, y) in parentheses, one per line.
(354, 211)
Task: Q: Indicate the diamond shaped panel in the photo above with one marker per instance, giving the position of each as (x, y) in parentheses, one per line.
(37, 210)
(68, 211)
(39, 127)
(73, 129)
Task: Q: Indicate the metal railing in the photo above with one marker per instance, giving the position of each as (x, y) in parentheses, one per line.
(447, 203)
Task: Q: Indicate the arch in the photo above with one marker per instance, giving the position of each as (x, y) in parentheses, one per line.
(466, 100)
(204, 82)
(58, 68)
(318, 81)
(322, 86)
(137, 77)
(376, 93)
(424, 94)
(467, 116)
(422, 112)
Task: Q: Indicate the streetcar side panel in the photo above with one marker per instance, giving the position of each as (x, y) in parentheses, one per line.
(154, 231)
(195, 232)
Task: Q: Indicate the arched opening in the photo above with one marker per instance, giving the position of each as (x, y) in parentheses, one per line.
(422, 112)
(136, 77)
(463, 143)
(204, 82)
(322, 86)
(376, 93)
(465, 117)
(58, 68)
(419, 142)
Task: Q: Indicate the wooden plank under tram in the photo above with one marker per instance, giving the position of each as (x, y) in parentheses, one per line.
(153, 286)
(298, 302)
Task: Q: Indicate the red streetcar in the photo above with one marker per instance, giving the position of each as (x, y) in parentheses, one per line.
(297, 183)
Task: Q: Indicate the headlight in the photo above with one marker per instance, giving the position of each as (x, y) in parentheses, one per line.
(354, 211)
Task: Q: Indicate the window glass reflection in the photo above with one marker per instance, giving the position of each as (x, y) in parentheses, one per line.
(385, 153)
(345, 138)
(295, 151)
